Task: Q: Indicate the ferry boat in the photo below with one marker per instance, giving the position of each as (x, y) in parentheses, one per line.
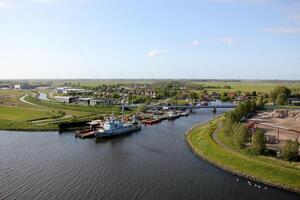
(114, 127)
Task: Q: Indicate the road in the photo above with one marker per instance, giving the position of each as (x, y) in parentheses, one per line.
(22, 99)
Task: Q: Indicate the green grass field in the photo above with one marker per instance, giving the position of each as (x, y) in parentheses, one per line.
(275, 172)
(249, 86)
(43, 115)
(23, 114)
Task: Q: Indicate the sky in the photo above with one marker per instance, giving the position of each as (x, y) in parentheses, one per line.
(191, 39)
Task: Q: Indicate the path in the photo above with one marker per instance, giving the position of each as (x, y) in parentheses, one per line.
(22, 99)
(216, 139)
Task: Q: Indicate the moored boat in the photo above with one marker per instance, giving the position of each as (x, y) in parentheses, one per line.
(113, 127)
(152, 121)
(172, 115)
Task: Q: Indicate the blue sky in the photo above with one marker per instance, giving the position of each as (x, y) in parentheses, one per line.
(202, 39)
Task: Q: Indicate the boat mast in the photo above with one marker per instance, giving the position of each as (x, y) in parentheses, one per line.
(123, 111)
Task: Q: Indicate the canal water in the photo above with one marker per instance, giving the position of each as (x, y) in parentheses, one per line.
(43, 96)
(154, 163)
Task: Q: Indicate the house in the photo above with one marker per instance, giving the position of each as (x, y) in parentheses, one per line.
(84, 101)
(103, 101)
(67, 99)
(232, 94)
(215, 95)
(62, 89)
(26, 86)
(294, 101)
(4, 86)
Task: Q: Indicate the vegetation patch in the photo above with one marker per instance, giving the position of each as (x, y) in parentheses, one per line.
(259, 168)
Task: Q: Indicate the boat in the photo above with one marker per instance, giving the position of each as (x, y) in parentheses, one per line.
(172, 115)
(113, 127)
(184, 114)
(152, 121)
(89, 132)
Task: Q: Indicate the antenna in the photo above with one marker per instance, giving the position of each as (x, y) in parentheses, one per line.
(122, 110)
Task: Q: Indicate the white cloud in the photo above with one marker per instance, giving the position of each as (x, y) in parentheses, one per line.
(5, 5)
(195, 43)
(227, 40)
(157, 52)
(282, 30)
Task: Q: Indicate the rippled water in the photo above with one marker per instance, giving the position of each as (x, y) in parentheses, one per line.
(154, 163)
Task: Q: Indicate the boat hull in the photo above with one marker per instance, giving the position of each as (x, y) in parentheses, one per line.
(104, 134)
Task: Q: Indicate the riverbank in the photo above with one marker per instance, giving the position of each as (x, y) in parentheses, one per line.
(271, 172)
(20, 111)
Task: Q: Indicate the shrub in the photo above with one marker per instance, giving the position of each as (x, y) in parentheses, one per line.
(259, 142)
(290, 150)
(240, 135)
(280, 95)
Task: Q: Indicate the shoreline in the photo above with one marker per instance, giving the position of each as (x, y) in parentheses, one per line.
(228, 169)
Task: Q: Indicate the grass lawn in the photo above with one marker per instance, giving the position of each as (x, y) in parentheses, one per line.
(22, 114)
(259, 168)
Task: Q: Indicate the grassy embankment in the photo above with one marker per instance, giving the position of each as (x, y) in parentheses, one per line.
(17, 115)
(259, 168)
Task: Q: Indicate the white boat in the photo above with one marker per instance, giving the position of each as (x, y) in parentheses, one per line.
(114, 127)
(172, 115)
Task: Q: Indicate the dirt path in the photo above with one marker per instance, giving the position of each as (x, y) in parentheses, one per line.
(215, 138)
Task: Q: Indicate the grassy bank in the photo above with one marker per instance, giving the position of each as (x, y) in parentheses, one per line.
(258, 168)
(38, 115)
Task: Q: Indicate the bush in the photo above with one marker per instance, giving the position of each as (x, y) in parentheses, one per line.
(280, 95)
(142, 108)
(227, 125)
(259, 142)
(290, 150)
(240, 135)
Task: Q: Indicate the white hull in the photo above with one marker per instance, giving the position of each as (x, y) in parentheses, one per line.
(123, 130)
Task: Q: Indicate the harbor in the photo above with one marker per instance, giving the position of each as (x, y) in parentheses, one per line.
(112, 124)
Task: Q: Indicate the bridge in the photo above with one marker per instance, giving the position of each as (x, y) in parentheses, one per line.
(181, 107)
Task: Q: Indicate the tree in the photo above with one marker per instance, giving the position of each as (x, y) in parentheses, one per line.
(142, 108)
(240, 135)
(290, 150)
(281, 99)
(193, 96)
(259, 142)
(280, 95)
(227, 87)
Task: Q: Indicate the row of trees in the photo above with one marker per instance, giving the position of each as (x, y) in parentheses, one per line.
(238, 133)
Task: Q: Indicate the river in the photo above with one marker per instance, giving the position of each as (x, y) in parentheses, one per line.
(154, 163)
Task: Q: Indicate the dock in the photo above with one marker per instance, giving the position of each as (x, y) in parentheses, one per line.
(85, 135)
